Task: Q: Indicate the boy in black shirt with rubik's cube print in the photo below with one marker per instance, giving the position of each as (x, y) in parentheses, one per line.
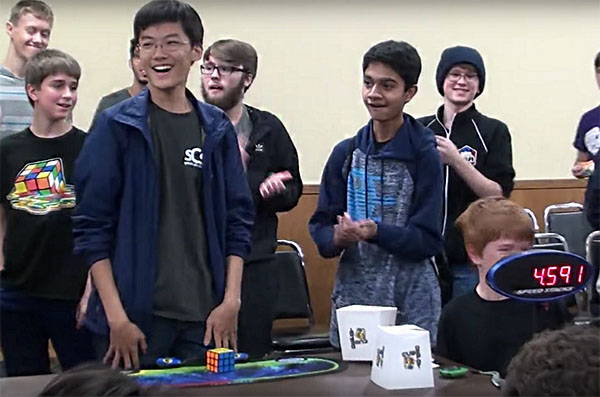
(41, 281)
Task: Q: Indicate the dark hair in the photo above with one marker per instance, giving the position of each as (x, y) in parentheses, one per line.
(400, 56)
(563, 362)
(160, 11)
(47, 63)
(39, 9)
(133, 49)
(93, 379)
(597, 60)
(235, 52)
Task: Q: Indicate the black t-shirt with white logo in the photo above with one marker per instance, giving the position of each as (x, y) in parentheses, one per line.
(38, 198)
(183, 288)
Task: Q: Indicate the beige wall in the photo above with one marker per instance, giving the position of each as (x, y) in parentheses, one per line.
(538, 55)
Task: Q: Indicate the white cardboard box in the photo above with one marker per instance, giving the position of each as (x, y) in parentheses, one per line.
(402, 358)
(358, 327)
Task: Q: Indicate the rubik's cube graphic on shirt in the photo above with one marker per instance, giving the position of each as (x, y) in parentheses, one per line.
(43, 178)
(220, 360)
(40, 187)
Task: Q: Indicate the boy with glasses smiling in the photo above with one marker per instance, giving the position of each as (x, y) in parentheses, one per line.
(164, 212)
(273, 176)
(476, 152)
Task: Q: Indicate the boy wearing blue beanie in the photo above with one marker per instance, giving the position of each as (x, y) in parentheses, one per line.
(476, 152)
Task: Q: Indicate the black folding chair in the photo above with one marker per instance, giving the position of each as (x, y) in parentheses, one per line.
(293, 302)
(592, 248)
(536, 227)
(569, 221)
(552, 241)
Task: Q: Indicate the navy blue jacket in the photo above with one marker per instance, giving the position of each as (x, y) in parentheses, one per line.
(413, 145)
(117, 210)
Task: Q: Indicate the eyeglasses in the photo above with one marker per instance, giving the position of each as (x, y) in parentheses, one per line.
(455, 76)
(208, 69)
(170, 45)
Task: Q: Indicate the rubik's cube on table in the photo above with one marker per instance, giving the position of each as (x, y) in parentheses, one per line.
(42, 178)
(220, 360)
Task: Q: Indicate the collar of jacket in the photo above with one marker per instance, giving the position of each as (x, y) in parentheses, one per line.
(460, 119)
(260, 125)
(403, 146)
(136, 115)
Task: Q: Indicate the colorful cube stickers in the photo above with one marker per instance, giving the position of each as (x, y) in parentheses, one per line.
(42, 178)
(220, 360)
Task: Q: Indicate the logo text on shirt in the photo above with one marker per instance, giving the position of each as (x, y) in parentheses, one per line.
(193, 157)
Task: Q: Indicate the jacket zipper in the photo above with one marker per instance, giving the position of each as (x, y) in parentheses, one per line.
(446, 180)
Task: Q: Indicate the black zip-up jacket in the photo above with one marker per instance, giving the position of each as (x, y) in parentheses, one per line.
(486, 143)
(271, 150)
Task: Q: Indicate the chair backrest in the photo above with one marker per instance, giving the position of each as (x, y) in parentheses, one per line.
(592, 248)
(293, 300)
(536, 227)
(569, 221)
(552, 241)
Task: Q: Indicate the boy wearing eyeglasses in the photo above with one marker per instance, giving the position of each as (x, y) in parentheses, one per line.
(164, 212)
(476, 153)
(273, 175)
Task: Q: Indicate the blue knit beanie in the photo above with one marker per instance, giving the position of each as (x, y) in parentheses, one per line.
(455, 55)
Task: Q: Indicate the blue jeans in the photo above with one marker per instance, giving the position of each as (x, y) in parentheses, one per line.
(167, 338)
(464, 279)
(25, 334)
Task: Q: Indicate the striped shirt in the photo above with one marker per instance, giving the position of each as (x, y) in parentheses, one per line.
(16, 113)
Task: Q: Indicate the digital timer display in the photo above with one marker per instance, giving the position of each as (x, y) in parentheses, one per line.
(539, 275)
(549, 276)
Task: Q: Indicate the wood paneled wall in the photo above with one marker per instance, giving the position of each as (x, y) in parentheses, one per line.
(535, 195)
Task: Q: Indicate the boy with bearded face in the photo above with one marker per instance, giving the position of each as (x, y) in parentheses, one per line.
(271, 163)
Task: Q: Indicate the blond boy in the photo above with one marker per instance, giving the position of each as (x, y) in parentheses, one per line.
(28, 29)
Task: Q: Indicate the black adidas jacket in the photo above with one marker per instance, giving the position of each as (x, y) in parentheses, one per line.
(485, 143)
(271, 150)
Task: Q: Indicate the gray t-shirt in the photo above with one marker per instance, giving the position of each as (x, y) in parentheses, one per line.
(16, 112)
(183, 289)
(108, 101)
(243, 128)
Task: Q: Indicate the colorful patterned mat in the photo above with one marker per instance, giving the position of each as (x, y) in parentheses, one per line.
(258, 371)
